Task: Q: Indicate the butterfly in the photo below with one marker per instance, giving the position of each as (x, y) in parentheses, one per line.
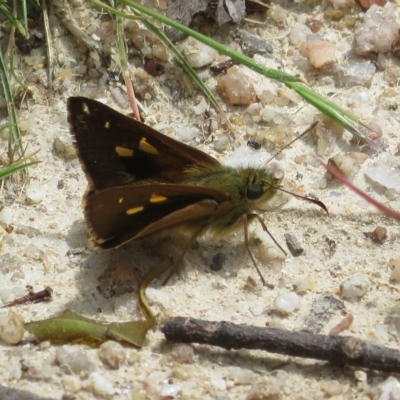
(141, 182)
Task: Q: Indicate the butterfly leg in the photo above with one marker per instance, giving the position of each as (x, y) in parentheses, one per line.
(262, 223)
(246, 240)
(246, 243)
(186, 249)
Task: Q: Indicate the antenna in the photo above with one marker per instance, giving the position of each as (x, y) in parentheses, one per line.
(290, 143)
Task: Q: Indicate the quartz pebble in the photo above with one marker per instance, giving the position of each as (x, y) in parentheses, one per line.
(197, 54)
(270, 388)
(377, 32)
(219, 384)
(72, 383)
(347, 164)
(157, 296)
(186, 135)
(389, 389)
(112, 354)
(358, 73)
(242, 376)
(303, 284)
(170, 390)
(298, 33)
(385, 172)
(33, 252)
(287, 302)
(355, 286)
(63, 145)
(11, 328)
(100, 385)
(183, 353)
(5, 216)
(319, 53)
(75, 360)
(34, 193)
(235, 88)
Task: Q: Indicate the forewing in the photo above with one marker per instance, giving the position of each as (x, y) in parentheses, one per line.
(116, 150)
(117, 215)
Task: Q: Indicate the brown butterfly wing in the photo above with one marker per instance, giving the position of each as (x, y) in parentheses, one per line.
(117, 215)
(116, 150)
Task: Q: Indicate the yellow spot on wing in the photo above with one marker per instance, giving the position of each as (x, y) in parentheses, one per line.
(123, 151)
(107, 125)
(157, 198)
(134, 210)
(146, 147)
(120, 200)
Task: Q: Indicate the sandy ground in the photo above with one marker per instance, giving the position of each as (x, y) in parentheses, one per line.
(48, 247)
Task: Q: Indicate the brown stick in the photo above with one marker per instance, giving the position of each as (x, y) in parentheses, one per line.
(335, 349)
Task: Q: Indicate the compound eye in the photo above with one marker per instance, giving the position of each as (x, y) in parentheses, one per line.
(254, 191)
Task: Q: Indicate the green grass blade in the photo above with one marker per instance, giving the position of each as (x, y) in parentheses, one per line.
(331, 109)
(241, 58)
(18, 166)
(4, 10)
(182, 60)
(326, 106)
(25, 15)
(14, 142)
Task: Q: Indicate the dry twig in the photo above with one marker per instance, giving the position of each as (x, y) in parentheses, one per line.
(335, 349)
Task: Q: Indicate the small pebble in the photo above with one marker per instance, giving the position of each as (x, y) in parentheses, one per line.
(235, 88)
(287, 302)
(218, 262)
(358, 73)
(169, 390)
(355, 287)
(74, 360)
(253, 44)
(5, 216)
(368, 3)
(222, 143)
(379, 235)
(303, 284)
(63, 146)
(267, 252)
(34, 193)
(377, 32)
(298, 33)
(112, 354)
(332, 388)
(186, 135)
(183, 353)
(242, 376)
(33, 252)
(254, 109)
(319, 53)
(99, 385)
(345, 164)
(389, 389)
(72, 383)
(12, 328)
(385, 172)
(269, 389)
(201, 108)
(197, 54)
(278, 14)
(293, 244)
(157, 296)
